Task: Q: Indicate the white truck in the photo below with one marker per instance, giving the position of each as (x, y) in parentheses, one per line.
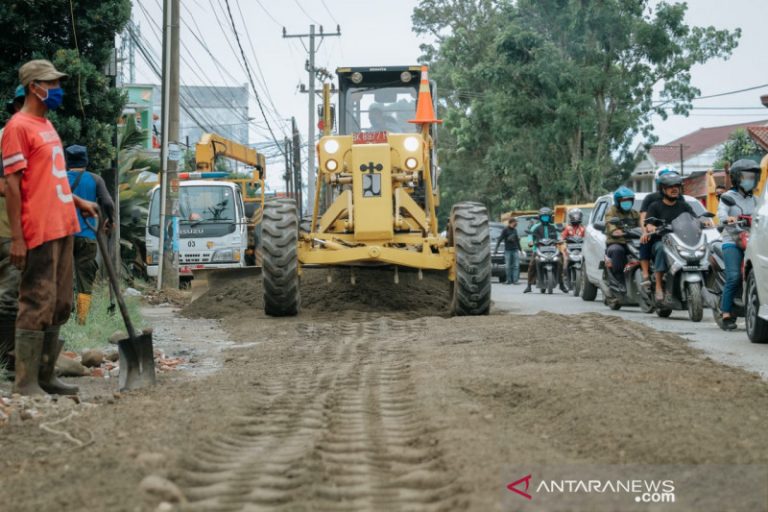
(213, 228)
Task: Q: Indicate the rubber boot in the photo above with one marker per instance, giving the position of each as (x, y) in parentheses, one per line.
(527, 289)
(50, 383)
(29, 348)
(83, 306)
(7, 339)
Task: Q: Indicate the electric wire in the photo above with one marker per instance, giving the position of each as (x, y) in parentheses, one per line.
(313, 20)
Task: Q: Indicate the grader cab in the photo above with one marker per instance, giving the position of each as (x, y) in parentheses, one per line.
(376, 198)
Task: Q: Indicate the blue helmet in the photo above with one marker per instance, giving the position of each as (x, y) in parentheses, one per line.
(623, 193)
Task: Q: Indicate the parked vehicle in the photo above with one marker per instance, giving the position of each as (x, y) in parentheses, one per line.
(716, 277)
(594, 242)
(548, 259)
(628, 291)
(686, 252)
(756, 273)
(574, 244)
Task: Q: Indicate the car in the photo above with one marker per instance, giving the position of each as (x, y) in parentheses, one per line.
(756, 274)
(498, 267)
(594, 241)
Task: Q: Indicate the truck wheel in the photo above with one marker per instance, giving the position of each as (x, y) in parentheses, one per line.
(279, 242)
(472, 245)
(588, 290)
(757, 328)
(695, 304)
(576, 282)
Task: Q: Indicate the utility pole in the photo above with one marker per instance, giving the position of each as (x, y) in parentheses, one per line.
(297, 185)
(132, 55)
(312, 128)
(168, 271)
(288, 170)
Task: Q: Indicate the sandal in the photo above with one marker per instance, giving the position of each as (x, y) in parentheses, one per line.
(646, 283)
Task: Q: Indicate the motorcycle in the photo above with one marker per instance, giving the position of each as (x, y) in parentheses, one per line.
(575, 260)
(547, 264)
(630, 291)
(739, 232)
(686, 251)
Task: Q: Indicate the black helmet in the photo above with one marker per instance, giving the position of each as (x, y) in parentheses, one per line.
(575, 216)
(741, 166)
(671, 179)
(545, 211)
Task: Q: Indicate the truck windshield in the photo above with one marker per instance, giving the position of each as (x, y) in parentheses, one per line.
(199, 203)
(380, 109)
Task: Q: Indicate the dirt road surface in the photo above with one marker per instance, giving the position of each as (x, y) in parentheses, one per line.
(387, 408)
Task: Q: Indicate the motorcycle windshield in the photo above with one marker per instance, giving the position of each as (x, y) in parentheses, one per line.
(687, 228)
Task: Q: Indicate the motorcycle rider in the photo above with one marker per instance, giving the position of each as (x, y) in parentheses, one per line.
(575, 228)
(671, 206)
(745, 175)
(542, 230)
(616, 243)
(645, 244)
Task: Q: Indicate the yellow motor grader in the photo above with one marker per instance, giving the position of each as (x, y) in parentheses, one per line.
(379, 198)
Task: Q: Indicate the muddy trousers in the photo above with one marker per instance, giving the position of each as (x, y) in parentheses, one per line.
(85, 264)
(45, 294)
(9, 302)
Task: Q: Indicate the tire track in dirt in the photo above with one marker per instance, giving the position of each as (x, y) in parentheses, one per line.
(339, 429)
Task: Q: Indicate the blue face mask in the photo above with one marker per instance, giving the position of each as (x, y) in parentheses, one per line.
(626, 205)
(545, 219)
(747, 185)
(54, 98)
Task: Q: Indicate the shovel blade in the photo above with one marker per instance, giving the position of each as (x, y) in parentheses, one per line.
(137, 362)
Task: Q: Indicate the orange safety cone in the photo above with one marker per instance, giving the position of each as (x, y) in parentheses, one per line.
(425, 112)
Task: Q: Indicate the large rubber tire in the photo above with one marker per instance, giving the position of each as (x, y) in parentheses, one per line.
(757, 328)
(695, 302)
(550, 280)
(643, 300)
(305, 225)
(588, 290)
(576, 282)
(279, 242)
(717, 315)
(472, 244)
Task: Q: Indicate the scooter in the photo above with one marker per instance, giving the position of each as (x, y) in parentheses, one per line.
(686, 251)
(547, 264)
(574, 246)
(715, 282)
(629, 291)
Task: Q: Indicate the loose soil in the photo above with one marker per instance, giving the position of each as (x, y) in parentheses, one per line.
(352, 409)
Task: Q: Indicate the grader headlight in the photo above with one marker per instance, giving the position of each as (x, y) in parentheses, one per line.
(411, 163)
(331, 165)
(331, 146)
(412, 144)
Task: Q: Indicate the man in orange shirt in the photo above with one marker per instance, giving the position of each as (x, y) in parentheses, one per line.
(42, 217)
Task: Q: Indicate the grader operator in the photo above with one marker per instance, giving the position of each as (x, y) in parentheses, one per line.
(380, 195)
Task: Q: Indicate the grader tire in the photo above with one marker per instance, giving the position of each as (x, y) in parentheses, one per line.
(279, 242)
(472, 243)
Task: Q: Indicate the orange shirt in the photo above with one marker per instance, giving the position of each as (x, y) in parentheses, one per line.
(31, 144)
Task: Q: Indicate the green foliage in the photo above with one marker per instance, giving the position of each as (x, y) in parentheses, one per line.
(542, 99)
(739, 145)
(101, 324)
(43, 29)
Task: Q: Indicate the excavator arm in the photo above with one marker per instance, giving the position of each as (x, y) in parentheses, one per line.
(212, 146)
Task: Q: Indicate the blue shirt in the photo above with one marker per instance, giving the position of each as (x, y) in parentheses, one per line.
(86, 189)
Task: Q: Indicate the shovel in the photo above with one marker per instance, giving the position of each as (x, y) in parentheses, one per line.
(137, 357)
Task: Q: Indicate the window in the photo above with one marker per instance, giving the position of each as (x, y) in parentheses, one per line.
(199, 203)
(378, 110)
(597, 215)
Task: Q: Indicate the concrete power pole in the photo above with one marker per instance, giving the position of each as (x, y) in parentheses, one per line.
(297, 185)
(168, 271)
(312, 128)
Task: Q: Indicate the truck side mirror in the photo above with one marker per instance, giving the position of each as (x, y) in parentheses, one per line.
(600, 226)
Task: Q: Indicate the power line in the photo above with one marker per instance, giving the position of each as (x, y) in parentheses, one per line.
(329, 12)
(250, 77)
(305, 12)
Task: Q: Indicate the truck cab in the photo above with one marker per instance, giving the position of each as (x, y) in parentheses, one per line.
(213, 227)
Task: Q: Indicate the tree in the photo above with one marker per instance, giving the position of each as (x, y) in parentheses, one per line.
(544, 98)
(739, 145)
(44, 29)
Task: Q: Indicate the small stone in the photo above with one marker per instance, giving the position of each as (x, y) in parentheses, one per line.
(66, 367)
(157, 487)
(117, 336)
(165, 507)
(97, 372)
(112, 356)
(92, 358)
(488, 417)
(149, 460)
(117, 395)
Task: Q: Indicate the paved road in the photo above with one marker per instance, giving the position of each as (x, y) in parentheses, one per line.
(733, 348)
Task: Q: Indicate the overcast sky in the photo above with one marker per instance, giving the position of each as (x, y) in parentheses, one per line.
(378, 32)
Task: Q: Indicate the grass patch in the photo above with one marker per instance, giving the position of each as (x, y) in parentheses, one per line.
(101, 324)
